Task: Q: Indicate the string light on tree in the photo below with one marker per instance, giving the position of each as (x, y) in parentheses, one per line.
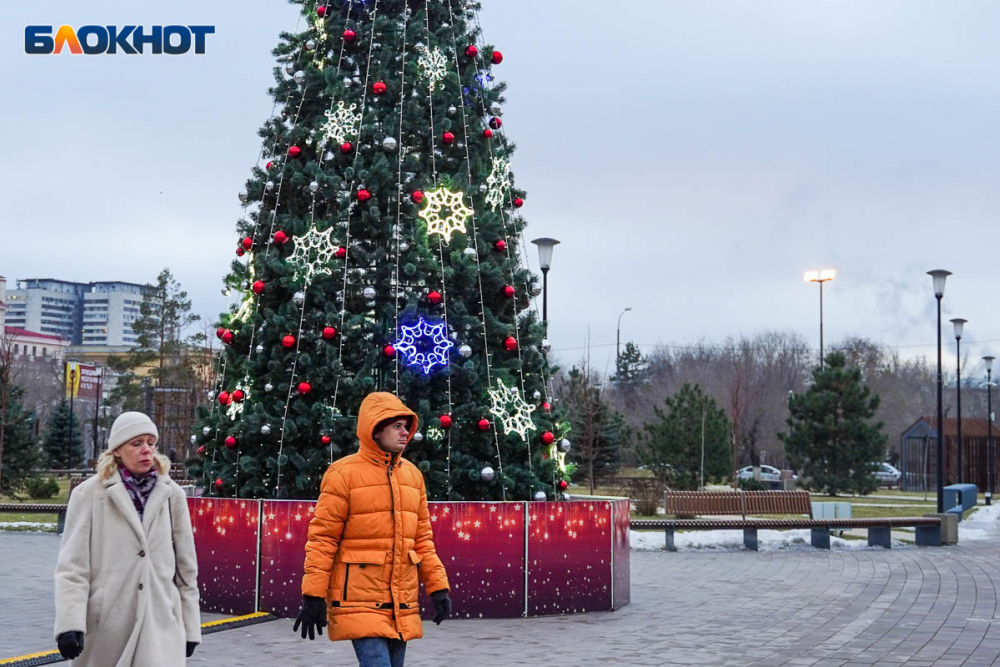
(445, 212)
(514, 413)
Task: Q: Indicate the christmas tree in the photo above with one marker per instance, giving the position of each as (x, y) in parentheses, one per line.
(381, 249)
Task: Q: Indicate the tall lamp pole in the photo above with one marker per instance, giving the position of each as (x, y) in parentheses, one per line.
(69, 440)
(939, 276)
(959, 323)
(820, 277)
(618, 342)
(989, 427)
(545, 246)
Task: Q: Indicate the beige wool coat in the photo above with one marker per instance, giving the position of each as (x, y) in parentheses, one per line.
(130, 586)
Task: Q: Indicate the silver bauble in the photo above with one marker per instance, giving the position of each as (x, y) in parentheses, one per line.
(311, 44)
(465, 351)
(225, 292)
(265, 430)
(565, 445)
(245, 285)
(496, 109)
(452, 111)
(269, 387)
(539, 495)
(299, 77)
(299, 298)
(243, 197)
(259, 349)
(469, 251)
(536, 289)
(418, 437)
(404, 246)
(369, 293)
(390, 144)
(206, 430)
(314, 186)
(487, 474)
(211, 395)
(537, 395)
(483, 189)
(269, 185)
(194, 439)
(546, 345)
(309, 141)
(347, 82)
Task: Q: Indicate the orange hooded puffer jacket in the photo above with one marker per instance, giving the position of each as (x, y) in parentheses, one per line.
(370, 538)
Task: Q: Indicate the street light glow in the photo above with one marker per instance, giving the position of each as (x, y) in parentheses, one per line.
(819, 276)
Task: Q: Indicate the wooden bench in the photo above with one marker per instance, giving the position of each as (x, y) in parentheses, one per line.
(734, 504)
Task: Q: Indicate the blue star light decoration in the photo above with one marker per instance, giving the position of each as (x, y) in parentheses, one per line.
(424, 344)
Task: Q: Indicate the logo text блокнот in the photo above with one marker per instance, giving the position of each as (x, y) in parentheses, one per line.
(172, 40)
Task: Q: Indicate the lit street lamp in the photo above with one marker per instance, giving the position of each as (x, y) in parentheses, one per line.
(989, 427)
(959, 323)
(545, 246)
(820, 277)
(939, 277)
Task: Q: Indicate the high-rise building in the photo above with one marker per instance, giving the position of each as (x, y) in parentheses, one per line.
(97, 314)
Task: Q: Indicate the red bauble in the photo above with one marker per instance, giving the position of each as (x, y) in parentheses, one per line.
(247, 243)
(340, 253)
(294, 151)
(219, 483)
(471, 51)
(201, 450)
(225, 398)
(280, 237)
(288, 341)
(448, 138)
(495, 122)
(548, 438)
(487, 133)
(326, 440)
(500, 245)
(321, 11)
(497, 57)
(349, 35)
(378, 87)
(510, 344)
(364, 195)
(484, 424)
(268, 166)
(305, 388)
(508, 291)
(329, 332)
(434, 297)
(227, 336)
(389, 351)
(417, 196)
(258, 286)
(240, 251)
(563, 484)
(546, 406)
(219, 332)
(518, 203)
(445, 421)
(346, 147)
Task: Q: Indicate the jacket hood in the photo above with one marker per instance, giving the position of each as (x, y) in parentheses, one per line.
(378, 407)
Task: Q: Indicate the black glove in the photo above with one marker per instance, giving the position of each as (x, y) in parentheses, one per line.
(312, 616)
(442, 606)
(191, 646)
(70, 644)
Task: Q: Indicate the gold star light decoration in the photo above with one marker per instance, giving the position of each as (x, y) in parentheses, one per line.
(312, 254)
(445, 212)
(341, 124)
(514, 413)
(433, 66)
(498, 182)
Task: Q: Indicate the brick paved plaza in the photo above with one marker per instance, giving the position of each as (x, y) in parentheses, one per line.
(907, 606)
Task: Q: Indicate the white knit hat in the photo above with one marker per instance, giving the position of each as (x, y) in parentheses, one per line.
(130, 425)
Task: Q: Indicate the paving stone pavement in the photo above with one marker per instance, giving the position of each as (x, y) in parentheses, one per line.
(909, 606)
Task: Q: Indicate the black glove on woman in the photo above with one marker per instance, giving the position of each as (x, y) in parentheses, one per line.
(312, 616)
(190, 648)
(70, 644)
(442, 606)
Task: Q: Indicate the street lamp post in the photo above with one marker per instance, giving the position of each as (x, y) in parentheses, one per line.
(939, 276)
(618, 342)
(959, 323)
(545, 246)
(69, 440)
(820, 277)
(989, 427)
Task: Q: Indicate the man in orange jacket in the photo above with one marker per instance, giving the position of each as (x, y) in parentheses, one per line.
(371, 543)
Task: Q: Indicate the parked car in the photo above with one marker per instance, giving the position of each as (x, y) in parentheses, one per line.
(767, 474)
(887, 474)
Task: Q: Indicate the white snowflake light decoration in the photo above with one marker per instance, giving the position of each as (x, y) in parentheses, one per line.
(235, 408)
(246, 305)
(312, 254)
(434, 433)
(514, 413)
(321, 36)
(424, 344)
(498, 182)
(445, 212)
(341, 124)
(433, 66)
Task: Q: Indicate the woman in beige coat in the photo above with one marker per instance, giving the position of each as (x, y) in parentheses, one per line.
(126, 582)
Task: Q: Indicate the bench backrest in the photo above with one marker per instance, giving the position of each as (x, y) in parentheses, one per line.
(737, 503)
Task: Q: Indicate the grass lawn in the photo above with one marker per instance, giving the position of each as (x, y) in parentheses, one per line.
(32, 517)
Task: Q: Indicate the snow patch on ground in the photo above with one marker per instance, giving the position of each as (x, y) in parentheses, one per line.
(983, 524)
(26, 525)
(732, 540)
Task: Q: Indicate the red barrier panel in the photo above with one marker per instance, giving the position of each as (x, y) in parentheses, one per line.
(225, 537)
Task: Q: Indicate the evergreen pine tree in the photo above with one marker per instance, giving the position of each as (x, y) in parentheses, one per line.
(60, 429)
(831, 440)
(21, 455)
(673, 444)
(597, 433)
(380, 250)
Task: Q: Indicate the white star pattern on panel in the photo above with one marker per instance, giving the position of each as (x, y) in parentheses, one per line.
(455, 212)
(514, 413)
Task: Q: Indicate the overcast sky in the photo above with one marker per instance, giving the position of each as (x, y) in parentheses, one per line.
(694, 158)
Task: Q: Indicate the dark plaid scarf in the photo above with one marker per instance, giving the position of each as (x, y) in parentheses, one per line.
(138, 487)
